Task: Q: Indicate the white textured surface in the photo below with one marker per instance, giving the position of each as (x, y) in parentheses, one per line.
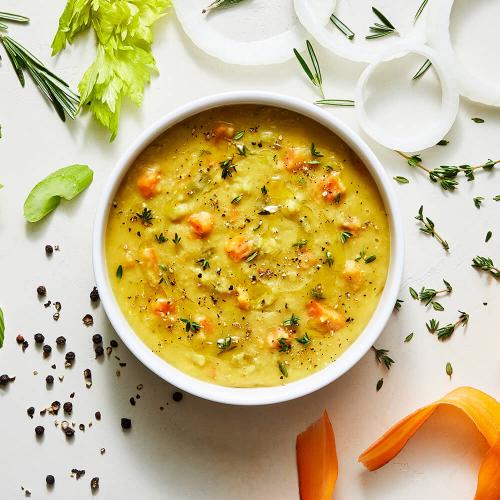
(196, 449)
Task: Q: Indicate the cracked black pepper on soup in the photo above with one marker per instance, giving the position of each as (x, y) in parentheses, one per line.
(248, 246)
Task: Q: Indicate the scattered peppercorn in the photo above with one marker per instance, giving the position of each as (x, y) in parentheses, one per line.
(41, 291)
(99, 351)
(98, 415)
(25, 345)
(68, 407)
(69, 432)
(49, 379)
(94, 483)
(78, 473)
(177, 396)
(39, 430)
(19, 339)
(94, 295)
(88, 320)
(61, 340)
(132, 401)
(97, 338)
(69, 357)
(47, 350)
(30, 411)
(5, 379)
(126, 423)
(50, 480)
(113, 343)
(39, 338)
(49, 249)
(55, 406)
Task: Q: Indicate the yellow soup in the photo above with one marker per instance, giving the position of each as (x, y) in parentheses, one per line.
(248, 246)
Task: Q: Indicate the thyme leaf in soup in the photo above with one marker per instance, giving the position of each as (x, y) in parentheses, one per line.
(191, 326)
(239, 135)
(329, 258)
(224, 344)
(304, 340)
(283, 369)
(204, 263)
(2, 327)
(284, 344)
(292, 321)
(176, 239)
(146, 216)
(67, 183)
(236, 199)
(228, 167)
(160, 238)
(300, 243)
(119, 272)
(252, 256)
(343, 28)
(317, 292)
(344, 236)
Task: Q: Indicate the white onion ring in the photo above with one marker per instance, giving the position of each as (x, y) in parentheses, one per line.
(315, 17)
(438, 126)
(213, 41)
(469, 85)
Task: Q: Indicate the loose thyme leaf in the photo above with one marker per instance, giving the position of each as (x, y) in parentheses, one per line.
(342, 27)
(220, 4)
(335, 102)
(437, 306)
(119, 272)
(401, 179)
(398, 304)
(413, 293)
(228, 167)
(422, 70)
(252, 256)
(489, 234)
(429, 228)
(317, 292)
(478, 200)
(409, 337)
(16, 18)
(443, 142)
(370, 259)
(2, 327)
(237, 199)
(496, 198)
(315, 77)
(420, 10)
(239, 135)
(177, 239)
(67, 183)
(300, 243)
(204, 263)
(449, 369)
(477, 120)
(284, 344)
(314, 151)
(224, 344)
(486, 264)
(146, 216)
(379, 385)
(381, 355)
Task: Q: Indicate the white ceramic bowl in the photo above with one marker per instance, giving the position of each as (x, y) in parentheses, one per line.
(260, 395)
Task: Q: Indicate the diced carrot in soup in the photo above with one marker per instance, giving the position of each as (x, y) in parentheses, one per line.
(163, 306)
(326, 318)
(243, 299)
(296, 158)
(206, 324)
(332, 188)
(352, 273)
(273, 337)
(223, 131)
(201, 223)
(238, 248)
(148, 182)
(351, 224)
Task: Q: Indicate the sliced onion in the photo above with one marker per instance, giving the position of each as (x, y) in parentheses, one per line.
(438, 125)
(315, 17)
(469, 85)
(263, 32)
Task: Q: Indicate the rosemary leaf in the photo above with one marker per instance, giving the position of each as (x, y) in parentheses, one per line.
(420, 10)
(477, 120)
(422, 70)
(315, 77)
(489, 234)
(220, 4)
(342, 27)
(335, 102)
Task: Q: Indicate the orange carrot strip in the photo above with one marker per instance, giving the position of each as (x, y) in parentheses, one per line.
(482, 409)
(317, 460)
(488, 483)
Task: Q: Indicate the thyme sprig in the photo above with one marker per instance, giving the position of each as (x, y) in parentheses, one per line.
(427, 295)
(381, 355)
(486, 264)
(342, 27)
(292, 321)
(429, 228)
(445, 332)
(446, 175)
(220, 4)
(228, 167)
(146, 216)
(384, 28)
(313, 74)
(191, 326)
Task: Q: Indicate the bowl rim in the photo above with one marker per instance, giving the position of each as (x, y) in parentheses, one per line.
(256, 395)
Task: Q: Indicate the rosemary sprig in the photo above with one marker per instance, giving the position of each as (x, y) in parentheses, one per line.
(220, 4)
(422, 70)
(429, 228)
(486, 264)
(445, 332)
(420, 10)
(384, 28)
(342, 27)
(334, 102)
(447, 175)
(12, 18)
(313, 74)
(381, 355)
(57, 91)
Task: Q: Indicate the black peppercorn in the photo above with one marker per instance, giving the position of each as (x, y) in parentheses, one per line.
(126, 423)
(94, 483)
(88, 320)
(69, 432)
(39, 430)
(19, 339)
(87, 373)
(97, 338)
(55, 406)
(94, 295)
(47, 350)
(50, 479)
(5, 379)
(113, 343)
(30, 411)
(25, 345)
(39, 338)
(41, 291)
(98, 415)
(177, 396)
(68, 407)
(49, 249)
(69, 357)
(61, 340)
(49, 379)
(99, 351)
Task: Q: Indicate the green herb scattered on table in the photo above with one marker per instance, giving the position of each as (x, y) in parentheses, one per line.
(220, 4)
(477, 120)
(445, 332)
(124, 61)
(422, 70)
(401, 180)
(478, 201)
(429, 228)
(2, 327)
(398, 304)
(449, 369)
(427, 295)
(343, 28)
(420, 10)
(384, 28)
(335, 102)
(486, 264)
(313, 74)
(489, 234)
(443, 142)
(67, 183)
(409, 337)
(379, 385)
(382, 356)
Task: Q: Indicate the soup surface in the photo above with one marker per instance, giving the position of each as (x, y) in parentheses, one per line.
(248, 246)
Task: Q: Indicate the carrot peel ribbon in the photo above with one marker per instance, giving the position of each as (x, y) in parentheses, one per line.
(317, 460)
(483, 411)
